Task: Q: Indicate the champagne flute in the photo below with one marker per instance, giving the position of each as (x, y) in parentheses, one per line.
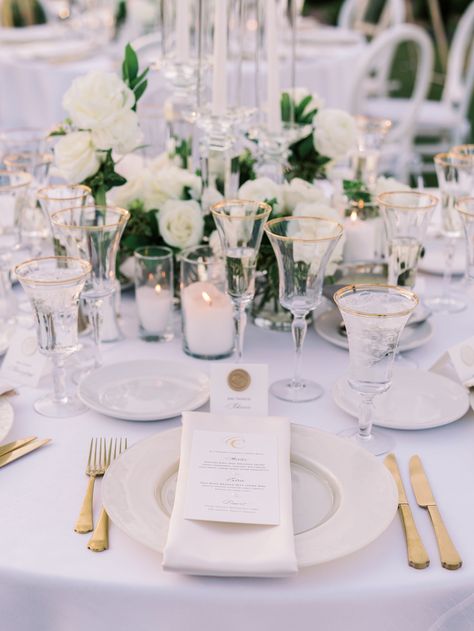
(302, 246)
(240, 226)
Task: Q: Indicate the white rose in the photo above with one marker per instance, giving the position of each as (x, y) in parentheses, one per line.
(335, 133)
(298, 191)
(170, 183)
(127, 268)
(132, 190)
(181, 223)
(142, 12)
(261, 189)
(97, 100)
(298, 94)
(210, 196)
(389, 185)
(123, 135)
(215, 243)
(76, 157)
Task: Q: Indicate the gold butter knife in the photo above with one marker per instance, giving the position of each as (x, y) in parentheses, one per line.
(5, 449)
(417, 555)
(448, 554)
(22, 451)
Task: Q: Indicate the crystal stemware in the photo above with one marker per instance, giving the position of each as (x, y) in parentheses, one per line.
(93, 233)
(302, 246)
(374, 316)
(17, 139)
(406, 215)
(465, 207)
(240, 226)
(53, 286)
(62, 196)
(371, 133)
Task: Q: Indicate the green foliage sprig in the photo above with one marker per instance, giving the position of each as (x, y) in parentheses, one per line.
(131, 75)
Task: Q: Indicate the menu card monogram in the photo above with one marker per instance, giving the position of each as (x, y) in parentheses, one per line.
(233, 477)
(24, 364)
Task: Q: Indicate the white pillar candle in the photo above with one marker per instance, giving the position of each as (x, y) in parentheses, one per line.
(273, 79)
(154, 308)
(208, 320)
(362, 238)
(219, 76)
(182, 30)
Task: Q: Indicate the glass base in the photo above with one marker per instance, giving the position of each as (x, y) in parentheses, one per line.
(445, 304)
(304, 391)
(156, 337)
(47, 406)
(228, 353)
(377, 443)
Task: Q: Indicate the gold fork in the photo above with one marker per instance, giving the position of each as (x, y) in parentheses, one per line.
(100, 537)
(96, 465)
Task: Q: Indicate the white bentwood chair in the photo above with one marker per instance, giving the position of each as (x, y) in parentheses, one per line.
(352, 13)
(398, 152)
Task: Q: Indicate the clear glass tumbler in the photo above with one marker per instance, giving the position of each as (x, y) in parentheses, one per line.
(371, 133)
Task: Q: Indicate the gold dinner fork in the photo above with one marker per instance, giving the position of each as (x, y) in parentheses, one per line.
(100, 537)
(96, 465)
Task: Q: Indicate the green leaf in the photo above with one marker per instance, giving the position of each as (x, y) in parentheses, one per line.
(139, 90)
(131, 60)
(300, 108)
(285, 104)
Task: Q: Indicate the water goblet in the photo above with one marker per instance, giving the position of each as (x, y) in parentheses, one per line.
(240, 226)
(374, 316)
(302, 246)
(406, 216)
(371, 133)
(466, 152)
(61, 196)
(17, 139)
(53, 286)
(93, 233)
(465, 208)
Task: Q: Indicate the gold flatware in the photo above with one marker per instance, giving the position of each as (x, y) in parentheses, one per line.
(417, 555)
(449, 556)
(5, 449)
(22, 451)
(96, 465)
(100, 537)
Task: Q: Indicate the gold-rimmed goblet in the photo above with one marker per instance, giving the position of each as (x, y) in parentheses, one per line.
(466, 152)
(374, 316)
(53, 286)
(406, 216)
(371, 132)
(240, 224)
(465, 208)
(302, 246)
(61, 196)
(93, 233)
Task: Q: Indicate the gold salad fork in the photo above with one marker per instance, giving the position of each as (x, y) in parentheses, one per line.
(100, 537)
(96, 465)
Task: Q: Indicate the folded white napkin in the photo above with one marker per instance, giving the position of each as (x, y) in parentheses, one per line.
(229, 549)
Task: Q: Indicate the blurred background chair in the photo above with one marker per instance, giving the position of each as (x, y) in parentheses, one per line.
(358, 15)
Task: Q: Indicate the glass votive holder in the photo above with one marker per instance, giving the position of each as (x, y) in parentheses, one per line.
(206, 310)
(154, 292)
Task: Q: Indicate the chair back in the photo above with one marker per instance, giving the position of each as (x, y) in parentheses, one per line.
(354, 15)
(460, 74)
(387, 44)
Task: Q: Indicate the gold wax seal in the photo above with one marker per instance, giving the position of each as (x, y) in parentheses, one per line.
(238, 380)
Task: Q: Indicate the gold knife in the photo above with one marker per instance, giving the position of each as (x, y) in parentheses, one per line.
(417, 555)
(22, 451)
(5, 449)
(448, 554)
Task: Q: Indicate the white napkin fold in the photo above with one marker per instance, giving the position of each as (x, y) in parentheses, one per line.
(225, 549)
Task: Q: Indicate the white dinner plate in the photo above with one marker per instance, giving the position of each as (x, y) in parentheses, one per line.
(343, 497)
(6, 417)
(418, 399)
(144, 390)
(434, 261)
(327, 326)
(35, 33)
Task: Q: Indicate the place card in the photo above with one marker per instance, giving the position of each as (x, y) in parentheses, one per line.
(240, 389)
(23, 363)
(460, 360)
(233, 477)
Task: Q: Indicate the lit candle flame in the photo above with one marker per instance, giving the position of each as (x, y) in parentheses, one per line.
(206, 297)
(158, 289)
(354, 215)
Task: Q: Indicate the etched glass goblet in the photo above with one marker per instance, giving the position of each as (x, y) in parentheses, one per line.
(465, 208)
(302, 246)
(240, 226)
(406, 215)
(62, 196)
(374, 316)
(93, 233)
(53, 286)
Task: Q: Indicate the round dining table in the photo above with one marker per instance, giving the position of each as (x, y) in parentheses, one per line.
(50, 581)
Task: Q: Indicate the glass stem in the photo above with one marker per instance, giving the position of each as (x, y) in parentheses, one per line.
(298, 330)
(448, 267)
(95, 315)
(240, 320)
(366, 415)
(59, 379)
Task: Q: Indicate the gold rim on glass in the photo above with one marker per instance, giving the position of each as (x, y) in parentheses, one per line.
(21, 174)
(451, 159)
(12, 159)
(433, 201)
(123, 214)
(267, 227)
(373, 121)
(364, 287)
(216, 209)
(42, 192)
(37, 281)
(463, 211)
(466, 151)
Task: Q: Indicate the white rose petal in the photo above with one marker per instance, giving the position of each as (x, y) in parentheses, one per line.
(335, 133)
(210, 197)
(97, 100)
(122, 135)
(389, 185)
(298, 94)
(298, 191)
(170, 183)
(76, 157)
(127, 268)
(181, 223)
(215, 243)
(130, 166)
(261, 189)
(134, 189)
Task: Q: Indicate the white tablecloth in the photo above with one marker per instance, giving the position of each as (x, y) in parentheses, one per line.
(49, 581)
